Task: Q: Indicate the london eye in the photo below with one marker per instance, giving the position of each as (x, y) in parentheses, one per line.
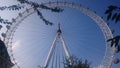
(31, 44)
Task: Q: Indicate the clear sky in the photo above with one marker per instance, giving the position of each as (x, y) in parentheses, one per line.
(84, 39)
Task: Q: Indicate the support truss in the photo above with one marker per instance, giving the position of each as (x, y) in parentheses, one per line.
(57, 37)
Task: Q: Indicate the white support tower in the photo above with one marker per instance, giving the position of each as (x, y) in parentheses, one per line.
(57, 37)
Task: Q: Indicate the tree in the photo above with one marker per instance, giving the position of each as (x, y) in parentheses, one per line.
(36, 5)
(76, 63)
(114, 41)
(20, 6)
(113, 13)
(32, 4)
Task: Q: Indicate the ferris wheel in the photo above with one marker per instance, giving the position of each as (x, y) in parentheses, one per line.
(108, 56)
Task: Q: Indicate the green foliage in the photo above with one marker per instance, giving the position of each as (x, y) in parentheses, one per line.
(114, 41)
(36, 5)
(76, 63)
(12, 7)
(32, 4)
(56, 9)
(113, 13)
(5, 21)
(41, 17)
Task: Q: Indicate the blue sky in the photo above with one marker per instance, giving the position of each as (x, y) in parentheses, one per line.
(84, 39)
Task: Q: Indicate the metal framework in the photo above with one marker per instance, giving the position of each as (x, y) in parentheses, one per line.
(109, 53)
(58, 36)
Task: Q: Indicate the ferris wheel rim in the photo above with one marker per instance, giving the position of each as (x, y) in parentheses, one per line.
(104, 28)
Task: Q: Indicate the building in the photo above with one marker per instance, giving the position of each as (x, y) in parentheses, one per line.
(5, 61)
